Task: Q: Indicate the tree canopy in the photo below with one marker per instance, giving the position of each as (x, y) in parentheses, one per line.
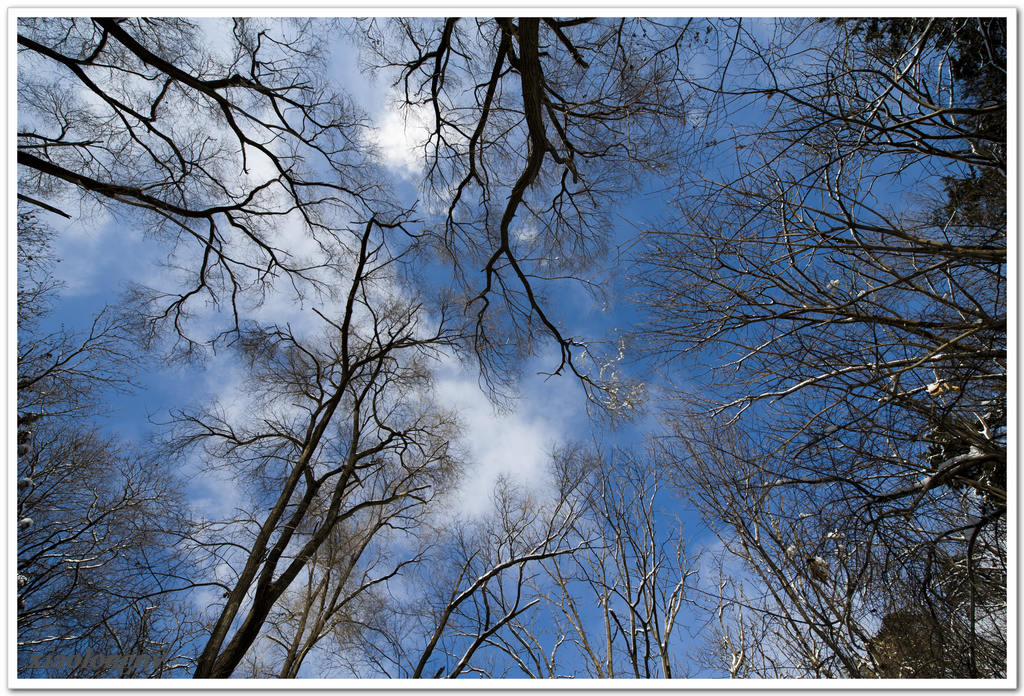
(765, 258)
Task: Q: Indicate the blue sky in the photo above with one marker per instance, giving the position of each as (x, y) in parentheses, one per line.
(103, 254)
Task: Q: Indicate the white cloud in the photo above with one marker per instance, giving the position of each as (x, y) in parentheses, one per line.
(525, 232)
(399, 137)
(90, 246)
(516, 444)
(215, 493)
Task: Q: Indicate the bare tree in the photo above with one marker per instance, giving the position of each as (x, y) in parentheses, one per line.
(809, 589)
(215, 149)
(848, 285)
(483, 587)
(534, 127)
(96, 518)
(605, 605)
(793, 602)
(97, 569)
(338, 603)
(844, 273)
(616, 601)
(338, 437)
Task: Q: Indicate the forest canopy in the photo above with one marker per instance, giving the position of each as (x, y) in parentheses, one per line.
(512, 348)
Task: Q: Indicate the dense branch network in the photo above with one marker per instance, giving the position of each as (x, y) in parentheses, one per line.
(219, 153)
(534, 128)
